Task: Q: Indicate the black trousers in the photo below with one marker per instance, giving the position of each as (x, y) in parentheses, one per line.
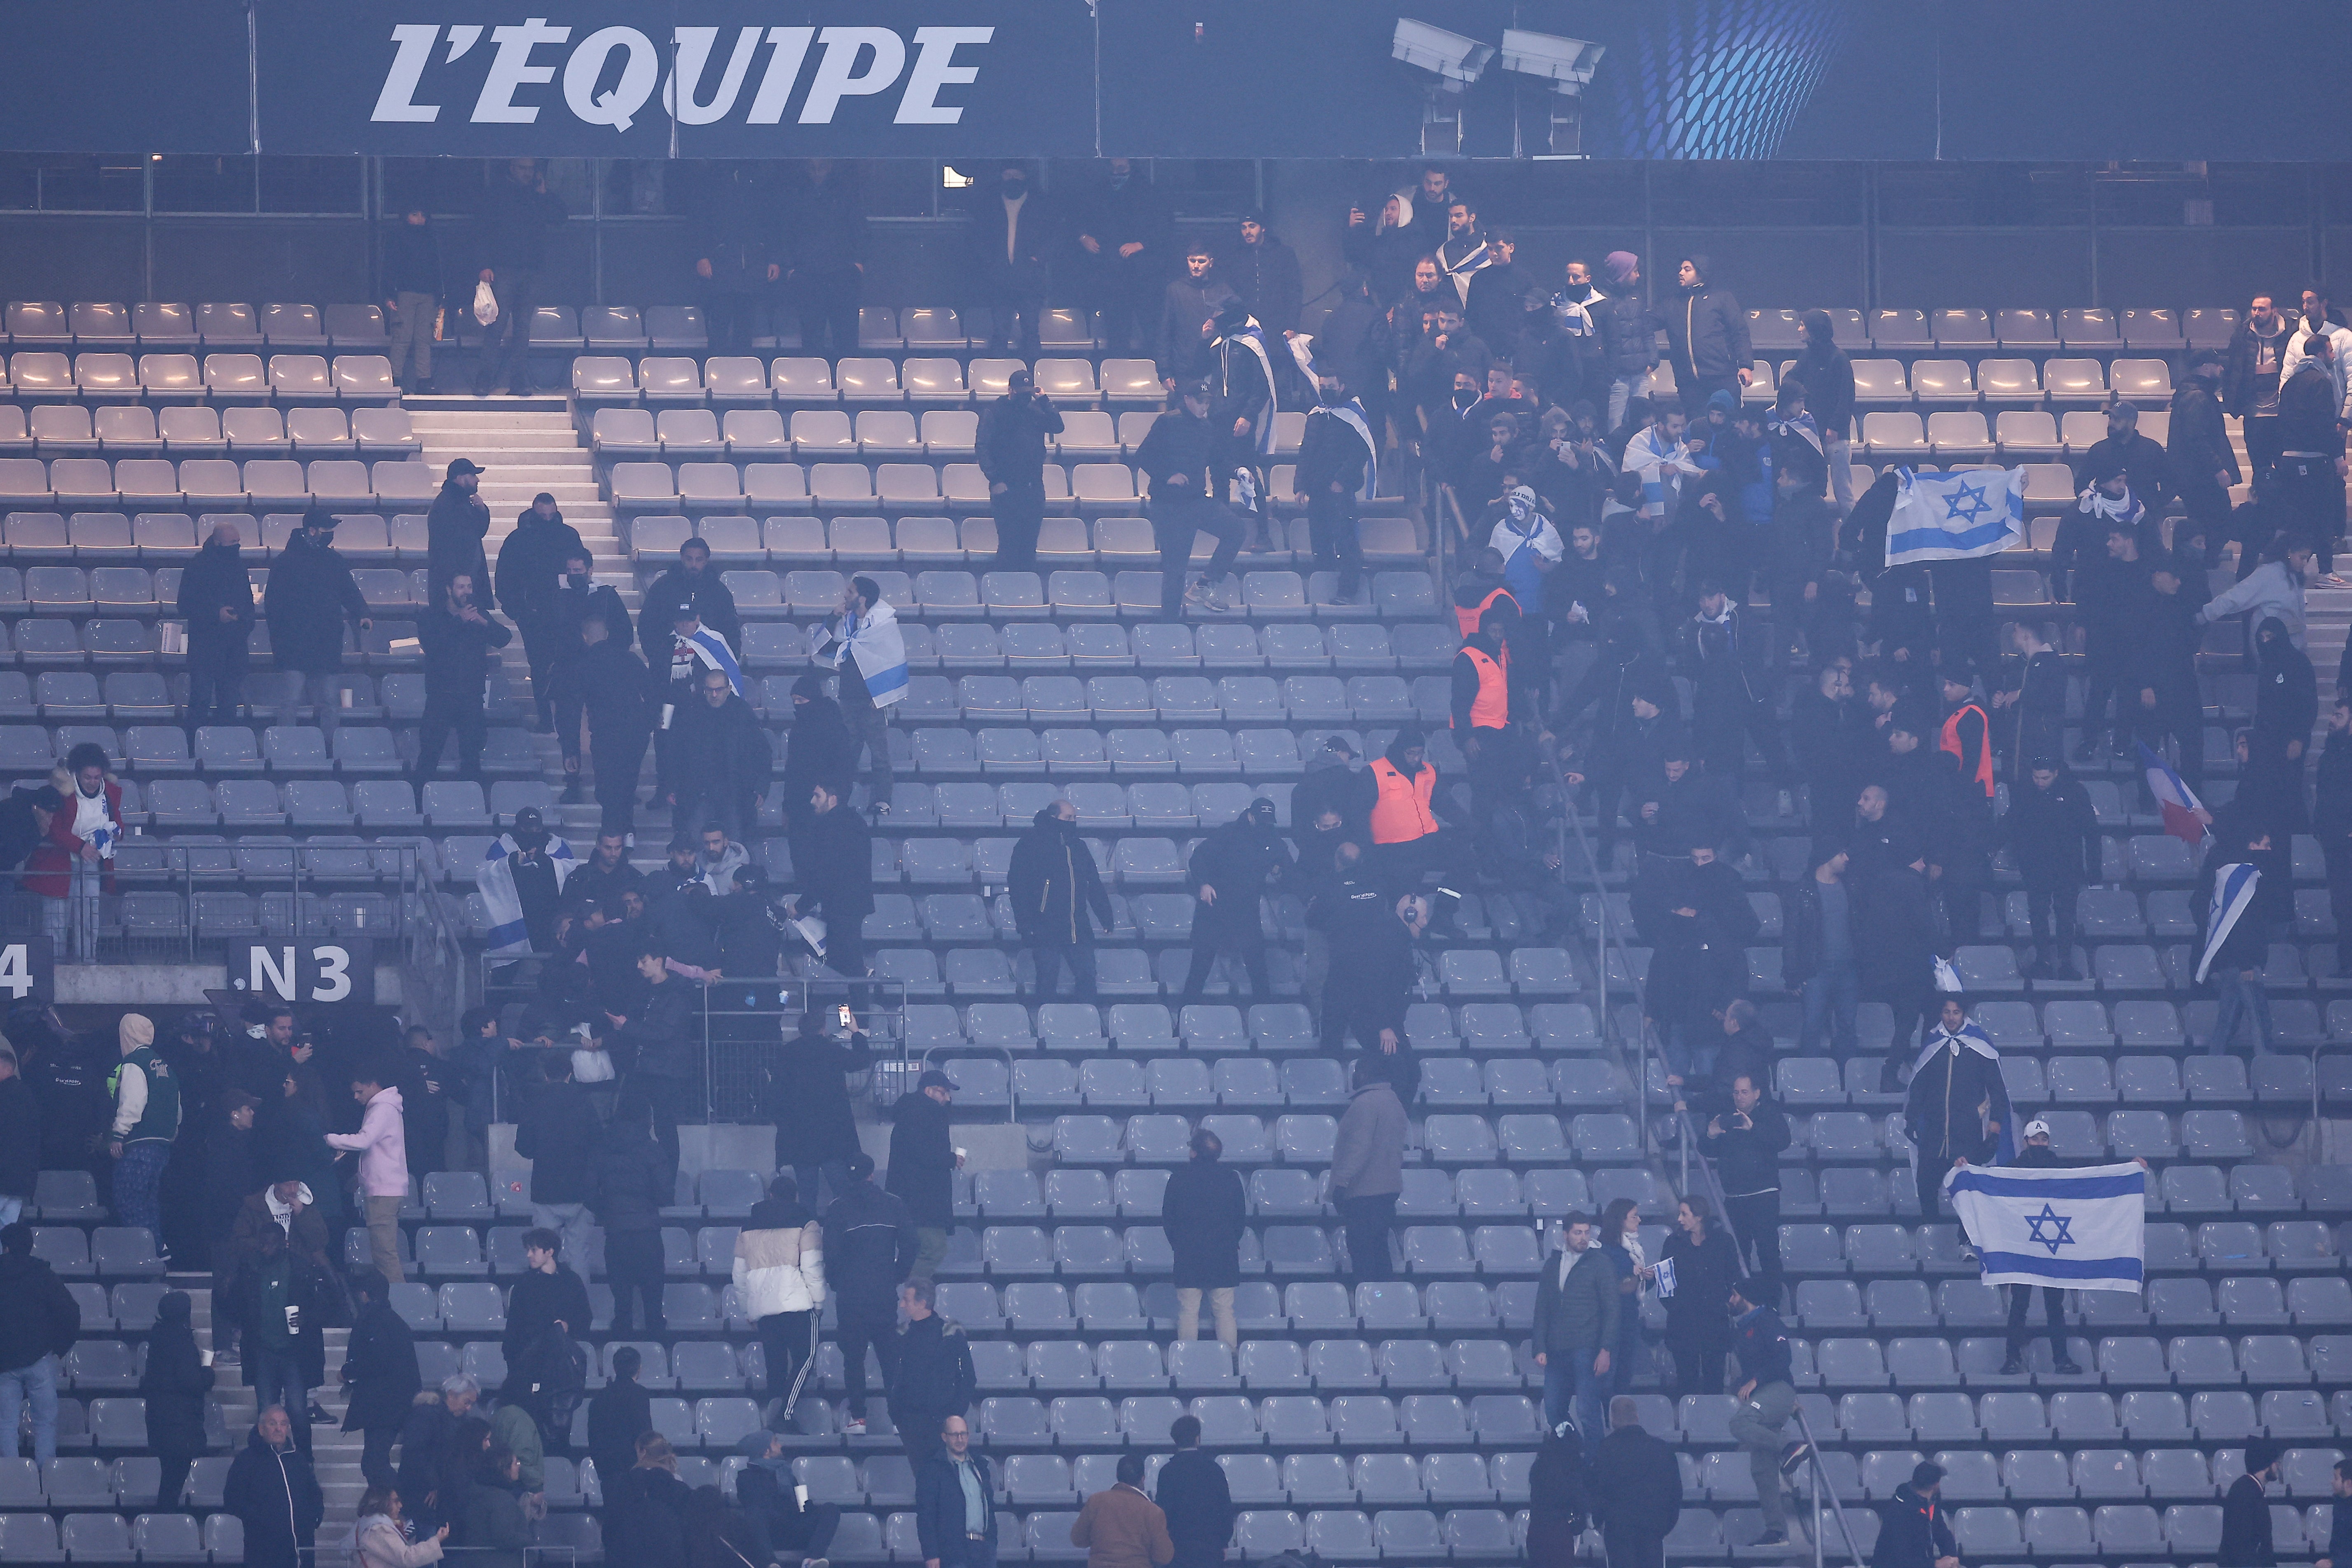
(444, 716)
(215, 678)
(1961, 894)
(375, 1457)
(542, 640)
(2311, 493)
(2207, 506)
(506, 342)
(1368, 1222)
(789, 1340)
(2051, 912)
(1205, 953)
(620, 757)
(732, 317)
(828, 304)
(1629, 1548)
(175, 1467)
(1175, 522)
(1331, 531)
(2053, 1309)
(1020, 513)
(1014, 293)
(634, 1260)
(1698, 1368)
(864, 1324)
(1755, 1218)
(2262, 456)
(2338, 852)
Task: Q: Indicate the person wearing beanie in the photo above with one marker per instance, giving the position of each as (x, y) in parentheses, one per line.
(1827, 375)
(1629, 332)
(530, 574)
(2200, 463)
(1706, 335)
(1058, 899)
(2246, 1539)
(146, 1119)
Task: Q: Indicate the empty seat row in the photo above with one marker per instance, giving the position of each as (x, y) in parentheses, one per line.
(213, 483)
(607, 379)
(170, 324)
(199, 430)
(102, 377)
(2017, 436)
(918, 488)
(33, 536)
(1068, 595)
(617, 432)
(2086, 331)
(654, 541)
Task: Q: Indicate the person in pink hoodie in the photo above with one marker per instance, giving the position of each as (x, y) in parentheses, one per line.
(381, 1144)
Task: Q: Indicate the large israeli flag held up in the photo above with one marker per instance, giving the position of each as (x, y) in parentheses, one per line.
(1955, 516)
(2081, 1229)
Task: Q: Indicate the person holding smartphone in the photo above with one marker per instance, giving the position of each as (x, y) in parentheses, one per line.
(1011, 447)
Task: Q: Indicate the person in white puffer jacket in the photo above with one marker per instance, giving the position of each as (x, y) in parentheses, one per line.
(377, 1542)
(780, 1279)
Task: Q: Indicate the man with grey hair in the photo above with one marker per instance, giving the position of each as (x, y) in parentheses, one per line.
(427, 1434)
(273, 1494)
(1637, 1490)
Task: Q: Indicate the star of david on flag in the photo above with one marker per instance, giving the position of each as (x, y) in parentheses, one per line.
(2081, 1229)
(1957, 516)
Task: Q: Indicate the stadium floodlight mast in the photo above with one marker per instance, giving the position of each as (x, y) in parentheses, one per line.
(1455, 62)
(1568, 64)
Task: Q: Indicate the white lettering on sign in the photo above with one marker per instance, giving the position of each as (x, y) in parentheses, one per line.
(853, 62)
(16, 970)
(275, 972)
(334, 974)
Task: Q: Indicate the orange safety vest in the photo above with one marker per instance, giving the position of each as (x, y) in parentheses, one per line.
(1491, 709)
(1951, 742)
(1401, 814)
(1467, 619)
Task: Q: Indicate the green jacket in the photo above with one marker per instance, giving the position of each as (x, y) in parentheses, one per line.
(1583, 1314)
(146, 1099)
(514, 1426)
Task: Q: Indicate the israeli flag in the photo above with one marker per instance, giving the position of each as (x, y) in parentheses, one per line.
(494, 881)
(2233, 890)
(2081, 1229)
(1955, 516)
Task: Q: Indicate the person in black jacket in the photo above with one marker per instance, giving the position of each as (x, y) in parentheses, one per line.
(617, 1414)
(173, 1384)
(2235, 968)
(1955, 1106)
(806, 1095)
(944, 1514)
(932, 1376)
(2286, 709)
(1333, 459)
(2331, 824)
(1912, 1530)
(272, 1491)
(217, 601)
(1898, 939)
(1189, 308)
(548, 1295)
(737, 251)
(1123, 236)
(1058, 899)
(646, 1506)
(1205, 1215)
(658, 1051)
(1637, 1490)
(557, 1133)
(2200, 463)
(2307, 484)
(689, 585)
(1828, 377)
(1015, 235)
(1229, 873)
(1011, 447)
(1697, 916)
(2246, 1538)
(612, 685)
(39, 1322)
(456, 525)
(1705, 1263)
(869, 1241)
(923, 1163)
(310, 594)
(1178, 455)
(633, 1180)
(1745, 1144)
(381, 1379)
(835, 862)
(1706, 335)
(1368, 930)
(519, 217)
(719, 758)
(825, 253)
(457, 638)
(20, 1139)
(529, 577)
(2053, 836)
(1194, 1495)
(1824, 935)
(818, 749)
(412, 295)
(2035, 1152)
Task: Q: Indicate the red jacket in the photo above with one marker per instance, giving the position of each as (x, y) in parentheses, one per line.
(49, 868)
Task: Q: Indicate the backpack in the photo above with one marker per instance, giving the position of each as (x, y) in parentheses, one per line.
(554, 1371)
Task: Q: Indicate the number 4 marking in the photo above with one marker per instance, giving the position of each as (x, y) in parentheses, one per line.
(16, 970)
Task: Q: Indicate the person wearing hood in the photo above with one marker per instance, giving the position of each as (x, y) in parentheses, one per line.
(2286, 710)
(1382, 244)
(719, 758)
(1913, 1531)
(1640, 720)
(272, 1491)
(1228, 875)
(381, 1144)
(217, 601)
(1265, 272)
(2200, 463)
(778, 1276)
(1706, 336)
(146, 1120)
(1336, 779)
(309, 595)
(1828, 378)
(381, 1379)
(380, 1540)
(1011, 447)
(923, 1163)
(613, 687)
(1560, 1487)
(1956, 1105)
(1058, 899)
(173, 1384)
(2309, 482)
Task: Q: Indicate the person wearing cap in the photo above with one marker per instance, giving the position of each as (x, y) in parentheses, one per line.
(1058, 901)
(1122, 232)
(2035, 1154)
(871, 1246)
(1228, 875)
(2246, 1538)
(309, 596)
(146, 1119)
(1265, 272)
(1178, 455)
(1014, 233)
(1011, 447)
(2200, 462)
(459, 639)
(1187, 314)
(531, 575)
(1913, 1529)
(2053, 836)
(454, 526)
(923, 1163)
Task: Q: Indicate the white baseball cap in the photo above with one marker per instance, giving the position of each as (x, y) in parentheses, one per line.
(2037, 1127)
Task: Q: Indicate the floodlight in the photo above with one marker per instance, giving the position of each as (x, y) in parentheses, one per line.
(1455, 61)
(1568, 63)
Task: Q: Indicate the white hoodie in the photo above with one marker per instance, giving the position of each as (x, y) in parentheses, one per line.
(779, 1271)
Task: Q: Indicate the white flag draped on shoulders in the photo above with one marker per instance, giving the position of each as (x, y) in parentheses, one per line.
(494, 881)
(2079, 1230)
(1955, 516)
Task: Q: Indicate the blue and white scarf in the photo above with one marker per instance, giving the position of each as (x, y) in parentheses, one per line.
(495, 881)
(1252, 338)
(2234, 893)
(877, 645)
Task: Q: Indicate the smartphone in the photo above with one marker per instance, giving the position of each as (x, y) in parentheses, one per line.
(847, 1022)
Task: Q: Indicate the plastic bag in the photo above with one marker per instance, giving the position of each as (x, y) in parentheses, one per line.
(486, 304)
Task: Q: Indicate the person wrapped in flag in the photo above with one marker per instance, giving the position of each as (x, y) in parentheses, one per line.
(2238, 907)
(1241, 415)
(1958, 1110)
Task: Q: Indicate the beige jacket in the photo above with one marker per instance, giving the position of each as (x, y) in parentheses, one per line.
(1122, 1527)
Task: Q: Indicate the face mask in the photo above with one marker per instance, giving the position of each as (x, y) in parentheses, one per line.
(577, 579)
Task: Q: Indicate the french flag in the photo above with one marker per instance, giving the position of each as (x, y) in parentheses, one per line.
(2185, 815)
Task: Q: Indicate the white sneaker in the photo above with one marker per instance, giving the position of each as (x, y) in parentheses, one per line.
(853, 1427)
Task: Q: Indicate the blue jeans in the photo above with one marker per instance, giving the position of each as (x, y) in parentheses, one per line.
(37, 1382)
(1830, 998)
(1573, 1388)
(1051, 956)
(2239, 994)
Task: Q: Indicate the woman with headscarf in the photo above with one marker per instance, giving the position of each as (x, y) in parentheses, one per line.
(177, 1379)
(1559, 1490)
(380, 1540)
(1699, 1331)
(1621, 1244)
(2286, 709)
